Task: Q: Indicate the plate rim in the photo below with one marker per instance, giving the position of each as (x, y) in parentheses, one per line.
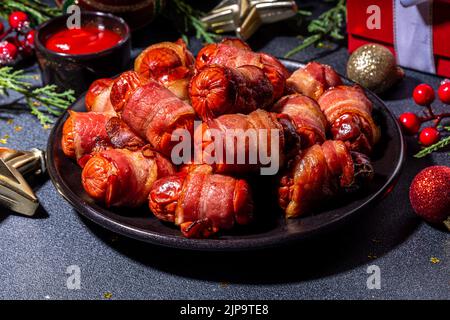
(180, 242)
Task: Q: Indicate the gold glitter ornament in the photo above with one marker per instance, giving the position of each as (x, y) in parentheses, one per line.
(374, 67)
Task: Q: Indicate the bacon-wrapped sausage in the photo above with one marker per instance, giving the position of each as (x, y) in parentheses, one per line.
(123, 88)
(218, 90)
(169, 63)
(154, 113)
(319, 172)
(307, 117)
(200, 202)
(237, 143)
(119, 177)
(349, 113)
(97, 97)
(313, 79)
(233, 54)
(85, 132)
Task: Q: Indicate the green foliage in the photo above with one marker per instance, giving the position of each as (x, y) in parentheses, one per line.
(329, 25)
(43, 102)
(187, 19)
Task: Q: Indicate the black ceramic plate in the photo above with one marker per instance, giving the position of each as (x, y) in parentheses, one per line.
(269, 228)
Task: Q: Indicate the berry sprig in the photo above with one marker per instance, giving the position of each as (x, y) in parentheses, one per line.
(38, 11)
(434, 147)
(411, 123)
(17, 39)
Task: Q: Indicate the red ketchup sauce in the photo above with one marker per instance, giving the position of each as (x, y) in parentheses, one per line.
(82, 41)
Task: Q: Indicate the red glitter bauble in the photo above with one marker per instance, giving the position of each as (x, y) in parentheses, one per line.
(429, 194)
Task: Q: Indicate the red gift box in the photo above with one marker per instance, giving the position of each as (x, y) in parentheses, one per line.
(359, 33)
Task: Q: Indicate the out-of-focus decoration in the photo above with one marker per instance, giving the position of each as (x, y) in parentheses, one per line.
(137, 13)
(36, 10)
(187, 19)
(244, 17)
(17, 41)
(15, 193)
(429, 194)
(373, 66)
(429, 137)
(44, 102)
(328, 26)
(415, 30)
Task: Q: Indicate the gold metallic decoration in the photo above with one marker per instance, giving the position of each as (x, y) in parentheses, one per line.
(225, 16)
(15, 193)
(245, 16)
(374, 67)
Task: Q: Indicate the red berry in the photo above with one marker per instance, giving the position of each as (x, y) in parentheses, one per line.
(2, 28)
(8, 52)
(444, 92)
(423, 94)
(25, 49)
(18, 20)
(29, 38)
(410, 123)
(429, 136)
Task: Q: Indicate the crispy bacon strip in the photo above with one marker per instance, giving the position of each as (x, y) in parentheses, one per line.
(309, 121)
(97, 97)
(233, 54)
(239, 136)
(154, 113)
(169, 63)
(237, 43)
(200, 202)
(319, 172)
(218, 90)
(121, 136)
(313, 79)
(84, 133)
(119, 177)
(349, 113)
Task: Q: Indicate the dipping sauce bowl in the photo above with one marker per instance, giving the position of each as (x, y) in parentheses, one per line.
(70, 64)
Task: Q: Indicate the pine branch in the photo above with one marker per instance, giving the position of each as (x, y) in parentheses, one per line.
(42, 101)
(190, 21)
(328, 25)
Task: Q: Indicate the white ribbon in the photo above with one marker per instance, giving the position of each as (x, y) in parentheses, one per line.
(413, 31)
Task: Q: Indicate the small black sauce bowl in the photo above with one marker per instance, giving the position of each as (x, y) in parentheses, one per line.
(78, 71)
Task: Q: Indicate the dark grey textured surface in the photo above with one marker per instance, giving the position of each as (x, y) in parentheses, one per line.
(34, 253)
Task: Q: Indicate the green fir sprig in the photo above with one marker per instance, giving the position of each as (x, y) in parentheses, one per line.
(190, 21)
(43, 102)
(329, 25)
